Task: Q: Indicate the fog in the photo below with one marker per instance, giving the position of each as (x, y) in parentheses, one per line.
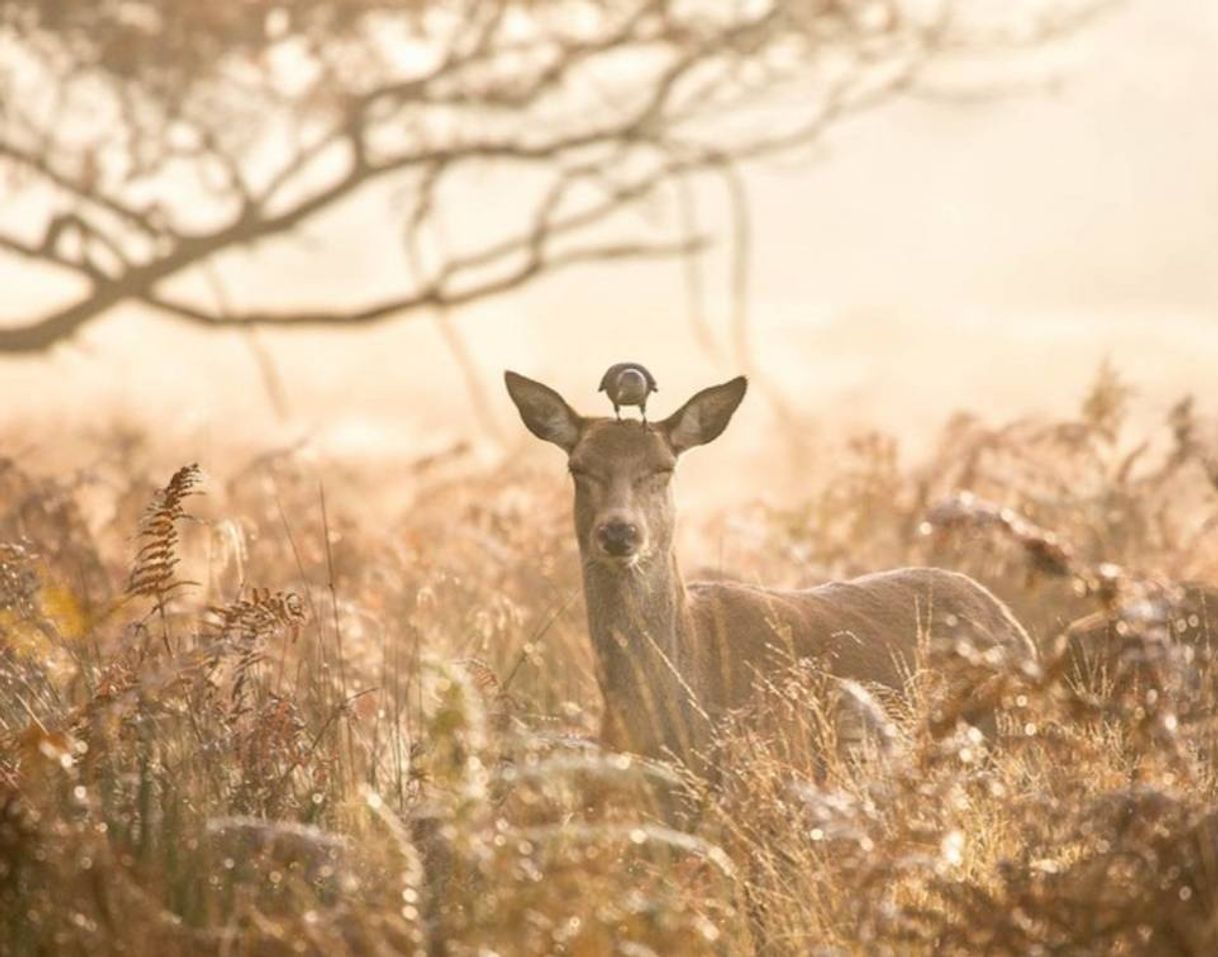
(939, 252)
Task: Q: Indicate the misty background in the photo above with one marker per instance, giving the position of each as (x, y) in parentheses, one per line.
(940, 252)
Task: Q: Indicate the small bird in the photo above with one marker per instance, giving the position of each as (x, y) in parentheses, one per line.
(628, 383)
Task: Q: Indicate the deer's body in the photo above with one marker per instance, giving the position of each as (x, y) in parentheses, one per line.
(674, 658)
(694, 652)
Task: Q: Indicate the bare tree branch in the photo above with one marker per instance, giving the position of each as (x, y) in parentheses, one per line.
(434, 296)
(157, 137)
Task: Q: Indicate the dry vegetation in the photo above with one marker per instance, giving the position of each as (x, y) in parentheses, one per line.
(239, 715)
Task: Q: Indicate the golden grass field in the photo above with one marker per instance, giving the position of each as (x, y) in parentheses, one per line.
(269, 708)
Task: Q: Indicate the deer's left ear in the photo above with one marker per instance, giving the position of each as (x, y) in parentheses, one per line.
(705, 416)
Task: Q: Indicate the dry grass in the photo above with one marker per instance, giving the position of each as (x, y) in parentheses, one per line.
(257, 722)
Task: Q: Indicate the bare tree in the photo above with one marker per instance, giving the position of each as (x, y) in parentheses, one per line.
(143, 140)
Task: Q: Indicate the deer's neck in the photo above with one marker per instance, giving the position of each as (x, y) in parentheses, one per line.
(643, 635)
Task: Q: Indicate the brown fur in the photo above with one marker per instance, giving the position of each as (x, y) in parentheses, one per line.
(674, 659)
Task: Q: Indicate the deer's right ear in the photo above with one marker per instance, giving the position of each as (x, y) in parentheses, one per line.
(544, 411)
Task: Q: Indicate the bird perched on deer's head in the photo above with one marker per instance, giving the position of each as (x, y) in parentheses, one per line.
(628, 383)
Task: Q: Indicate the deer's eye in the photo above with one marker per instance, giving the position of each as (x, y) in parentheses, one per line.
(657, 476)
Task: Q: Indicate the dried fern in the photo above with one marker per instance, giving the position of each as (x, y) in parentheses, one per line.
(239, 632)
(153, 572)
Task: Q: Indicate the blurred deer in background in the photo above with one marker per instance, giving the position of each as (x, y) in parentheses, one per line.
(673, 657)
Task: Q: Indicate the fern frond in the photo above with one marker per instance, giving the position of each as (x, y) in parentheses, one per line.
(240, 630)
(156, 560)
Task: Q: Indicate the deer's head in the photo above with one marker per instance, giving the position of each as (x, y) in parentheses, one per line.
(623, 470)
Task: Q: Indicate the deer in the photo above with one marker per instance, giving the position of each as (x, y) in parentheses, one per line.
(674, 658)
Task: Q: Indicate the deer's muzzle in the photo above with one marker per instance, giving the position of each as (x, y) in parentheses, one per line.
(618, 539)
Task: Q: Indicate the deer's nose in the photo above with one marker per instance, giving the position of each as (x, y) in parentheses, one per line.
(618, 538)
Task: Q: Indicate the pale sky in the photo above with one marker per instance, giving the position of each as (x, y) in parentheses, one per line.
(930, 256)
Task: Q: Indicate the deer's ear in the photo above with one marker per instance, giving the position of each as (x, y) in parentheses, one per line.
(705, 416)
(544, 411)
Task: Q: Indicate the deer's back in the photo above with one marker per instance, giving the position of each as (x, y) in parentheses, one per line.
(866, 628)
